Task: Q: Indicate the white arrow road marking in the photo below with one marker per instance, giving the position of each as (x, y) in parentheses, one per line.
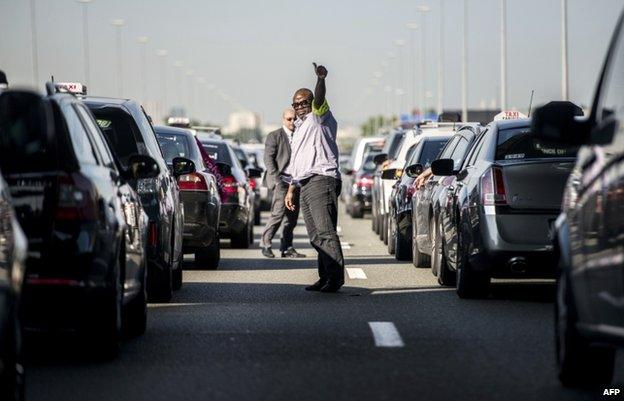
(356, 273)
(386, 334)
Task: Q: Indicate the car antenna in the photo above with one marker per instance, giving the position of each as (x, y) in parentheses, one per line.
(531, 102)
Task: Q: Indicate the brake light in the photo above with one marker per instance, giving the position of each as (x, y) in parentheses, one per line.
(364, 182)
(252, 183)
(153, 234)
(75, 199)
(230, 186)
(192, 182)
(493, 190)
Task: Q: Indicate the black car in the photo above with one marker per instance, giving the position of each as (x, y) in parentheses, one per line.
(255, 183)
(199, 193)
(237, 197)
(129, 132)
(427, 201)
(588, 233)
(506, 197)
(13, 248)
(418, 158)
(359, 198)
(84, 223)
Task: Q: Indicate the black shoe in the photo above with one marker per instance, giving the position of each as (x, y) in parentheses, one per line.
(332, 286)
(292, 253)
(316, 286)
(267, 252)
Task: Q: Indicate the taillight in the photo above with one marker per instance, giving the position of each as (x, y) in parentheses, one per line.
(75, 199)
(410, 191)
(153, 234)
(493, 188)
(230, 186)
(192, 182)
(252, 183)
(364, 182)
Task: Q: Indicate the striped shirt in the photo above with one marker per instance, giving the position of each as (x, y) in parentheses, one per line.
(314, 148)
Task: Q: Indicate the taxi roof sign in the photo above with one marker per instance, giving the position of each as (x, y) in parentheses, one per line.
(509, 115)
(72, 87)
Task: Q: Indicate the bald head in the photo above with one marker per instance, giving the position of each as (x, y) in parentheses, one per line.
(288, 118)
(303, 92)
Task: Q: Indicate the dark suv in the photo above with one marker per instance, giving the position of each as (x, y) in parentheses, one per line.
(84, 223)
(589, 231)
(129, 132)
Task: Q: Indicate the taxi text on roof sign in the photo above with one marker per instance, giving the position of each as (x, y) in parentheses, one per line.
(73, 87)
(509, 115)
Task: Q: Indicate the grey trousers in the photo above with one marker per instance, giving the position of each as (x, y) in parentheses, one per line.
(278, 212)
(319, 204)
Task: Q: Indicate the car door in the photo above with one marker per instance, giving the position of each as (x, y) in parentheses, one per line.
(603, 203)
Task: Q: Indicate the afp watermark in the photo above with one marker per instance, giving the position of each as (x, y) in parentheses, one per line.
(613, 392)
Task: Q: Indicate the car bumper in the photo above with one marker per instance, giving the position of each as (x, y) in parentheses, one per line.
(234, 219)
(201, 215)
(362, 200)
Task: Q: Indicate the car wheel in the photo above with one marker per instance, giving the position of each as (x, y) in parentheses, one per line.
(12, 378)
(470, 283)
(107, 327)
(208, 258)
(357, 212)
(161, 288)
(390, 236)
(240, 240)
(374, 220)
(580, 363)
(446, 277)
(176, 278)
(384, 233)
(257, 217)
(402, 245)
(251, 234)
(135, 312)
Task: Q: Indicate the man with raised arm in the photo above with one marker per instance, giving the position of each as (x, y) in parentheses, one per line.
(314, 171)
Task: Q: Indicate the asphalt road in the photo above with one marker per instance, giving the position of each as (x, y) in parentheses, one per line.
(250, 332)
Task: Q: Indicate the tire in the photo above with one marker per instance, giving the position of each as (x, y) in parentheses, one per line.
(470, 283)
(384, 233)
(374, 221)
(135, 312)
(446, 277)
(12, 379)
(257, 217)
(403, 246)
(580, 363)
(208, 258)
(419, 259)
(240, 240)
(176, 278)
(356, 212)
(251, 234)
(107, 329)
(390, 235)
(161, 288)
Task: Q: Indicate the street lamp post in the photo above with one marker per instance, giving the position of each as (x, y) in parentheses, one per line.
(162, 54)
(412, 26)
(503, 34)
(423, 10)
(35, 50)
(399, 43)
(440, 107)
(143, 42)
(565, 95)
(85, 38)
(464, 80)
(118, 24)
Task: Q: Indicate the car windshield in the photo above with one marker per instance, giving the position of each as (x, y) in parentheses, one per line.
(218, 151)
(173, 145)
(369, 166)
(395, 145)
(520, 144)
(431, 150)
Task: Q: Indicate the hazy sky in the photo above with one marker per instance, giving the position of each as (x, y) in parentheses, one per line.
(259, 52)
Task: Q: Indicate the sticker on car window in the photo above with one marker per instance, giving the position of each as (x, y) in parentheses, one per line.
(514, 156)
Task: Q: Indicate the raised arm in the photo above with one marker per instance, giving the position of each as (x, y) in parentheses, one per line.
(319, 90)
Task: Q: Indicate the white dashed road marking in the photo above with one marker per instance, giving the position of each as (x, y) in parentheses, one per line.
(386, 334)
(356, 273)
(345, 245)
(338, 229)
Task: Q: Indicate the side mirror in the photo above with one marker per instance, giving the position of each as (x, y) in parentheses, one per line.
(182, 165)
(414, 170)
(224, 169)
(243, 163)
(443, 167)
(388, 174)
(142, 166)
(254, 172)
(556, 122)
(380, 158)
(348, 171)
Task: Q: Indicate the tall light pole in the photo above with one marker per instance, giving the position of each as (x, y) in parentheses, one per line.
(395, 84)
(503, 66)
(142, 40)
(412, 26)
(464, 80)
(162, 54)
(400, 43)
(423, 10)
(85, 38)
(35, 50)
(190, 73)
(440, 107)
(565, 95)
(118, 24)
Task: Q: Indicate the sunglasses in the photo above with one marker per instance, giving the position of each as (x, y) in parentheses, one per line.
(303, 103)
(290, 119)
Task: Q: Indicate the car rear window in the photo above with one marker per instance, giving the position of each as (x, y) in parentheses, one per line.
(173, 145)
(395, 145)
(368, 165)
(431, 150)
(520, 144)
(218, 152)
(121, 133)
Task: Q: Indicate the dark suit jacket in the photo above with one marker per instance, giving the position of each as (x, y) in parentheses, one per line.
(276, 156)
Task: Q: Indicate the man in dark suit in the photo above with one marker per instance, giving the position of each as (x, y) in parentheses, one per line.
(276, 159)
